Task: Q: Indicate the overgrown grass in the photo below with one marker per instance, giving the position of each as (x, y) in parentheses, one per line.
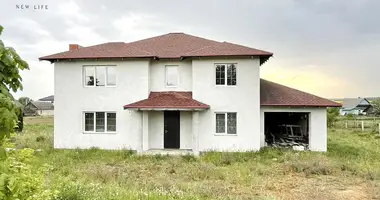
(35, 136)
(349, 170)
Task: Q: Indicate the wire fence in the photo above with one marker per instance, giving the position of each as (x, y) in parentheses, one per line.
(371, 124)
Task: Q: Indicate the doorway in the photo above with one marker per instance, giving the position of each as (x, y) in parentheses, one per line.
(171, 129)
(287, 129)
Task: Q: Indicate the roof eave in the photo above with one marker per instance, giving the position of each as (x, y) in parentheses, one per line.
(148, 108)
(95, 58)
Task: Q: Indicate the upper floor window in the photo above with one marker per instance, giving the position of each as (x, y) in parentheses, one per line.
(99, 76)
(172, 77)
(225, 74)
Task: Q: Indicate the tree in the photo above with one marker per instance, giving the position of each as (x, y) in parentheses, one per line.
(24, 100)
(10, 80)
(332, 116)
(376, 107)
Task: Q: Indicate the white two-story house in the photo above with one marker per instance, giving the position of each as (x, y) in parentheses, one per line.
(177, 91)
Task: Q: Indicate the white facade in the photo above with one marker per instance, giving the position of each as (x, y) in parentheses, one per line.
(229, 99)
(144, 130)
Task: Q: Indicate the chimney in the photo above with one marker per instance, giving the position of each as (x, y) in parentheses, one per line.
(74, 46)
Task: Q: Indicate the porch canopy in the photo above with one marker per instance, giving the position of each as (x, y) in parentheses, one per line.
(168, 101)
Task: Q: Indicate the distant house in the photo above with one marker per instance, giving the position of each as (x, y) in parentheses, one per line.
(39, 108)
(355, 106)
(48, 99)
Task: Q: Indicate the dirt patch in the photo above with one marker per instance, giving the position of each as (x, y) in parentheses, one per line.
(353, 193)
(294, 186)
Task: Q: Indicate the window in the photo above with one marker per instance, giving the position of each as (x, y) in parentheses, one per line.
(172, 78)
(226, 123)
(99, 76)
(225, 74)
(100, 122)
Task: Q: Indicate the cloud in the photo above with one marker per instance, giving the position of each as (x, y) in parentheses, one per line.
(330, 46)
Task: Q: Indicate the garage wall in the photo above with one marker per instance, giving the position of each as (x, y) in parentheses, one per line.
(317, 125)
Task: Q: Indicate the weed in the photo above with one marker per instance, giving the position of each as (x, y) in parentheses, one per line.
(188, 158)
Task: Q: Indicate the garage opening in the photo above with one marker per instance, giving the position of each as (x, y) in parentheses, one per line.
(287, 129)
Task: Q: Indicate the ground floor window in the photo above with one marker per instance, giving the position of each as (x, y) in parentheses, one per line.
(226, 123)
(100, 122)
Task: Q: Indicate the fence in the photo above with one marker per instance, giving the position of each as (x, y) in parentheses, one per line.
(359, 124)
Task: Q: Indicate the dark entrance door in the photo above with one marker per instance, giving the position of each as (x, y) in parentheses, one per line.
(171, 129)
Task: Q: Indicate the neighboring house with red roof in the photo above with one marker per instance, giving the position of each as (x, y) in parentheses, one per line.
(177, 91)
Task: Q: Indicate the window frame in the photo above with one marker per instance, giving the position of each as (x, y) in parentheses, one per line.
(225, 74)
(95, 74)
(225, 124)
(105, 122)
(166, 76)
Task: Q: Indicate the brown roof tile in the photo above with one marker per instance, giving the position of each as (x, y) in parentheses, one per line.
(169, 100)
(172, 45)
(106, 50)
(273, 94)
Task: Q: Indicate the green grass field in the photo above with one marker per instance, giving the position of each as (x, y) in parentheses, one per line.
(349, 170)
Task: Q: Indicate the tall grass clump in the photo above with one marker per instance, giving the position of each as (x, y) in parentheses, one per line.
(36, 136)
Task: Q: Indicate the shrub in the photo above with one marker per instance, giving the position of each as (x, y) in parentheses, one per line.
(18, 180)
(40, 139)
(332, 116)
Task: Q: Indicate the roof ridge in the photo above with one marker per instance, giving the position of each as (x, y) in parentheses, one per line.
(202, 38)
(147, 38)
(100, 44)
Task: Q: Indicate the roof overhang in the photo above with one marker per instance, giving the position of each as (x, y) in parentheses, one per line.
(166, 109)
(169, 100)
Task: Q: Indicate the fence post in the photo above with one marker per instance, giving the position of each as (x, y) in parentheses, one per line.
(346, 125)
(379, 128)
(362, 126)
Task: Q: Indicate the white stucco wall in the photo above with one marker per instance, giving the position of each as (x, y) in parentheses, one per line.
(72, 99)
(244, 99)
(158, 75)
(136, 78)
(156, 130)
(317, 125)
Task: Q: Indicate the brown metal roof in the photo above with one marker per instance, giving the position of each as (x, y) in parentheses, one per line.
(168, 100)
(273, 94)
(172, 45)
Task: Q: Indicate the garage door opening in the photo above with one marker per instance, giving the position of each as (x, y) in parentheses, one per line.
(287, 129)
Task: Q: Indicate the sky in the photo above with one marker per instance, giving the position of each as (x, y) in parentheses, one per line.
(329, 48)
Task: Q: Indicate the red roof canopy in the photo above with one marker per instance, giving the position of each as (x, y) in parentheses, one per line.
(172, 45)
(273, 94)
(168, 100)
